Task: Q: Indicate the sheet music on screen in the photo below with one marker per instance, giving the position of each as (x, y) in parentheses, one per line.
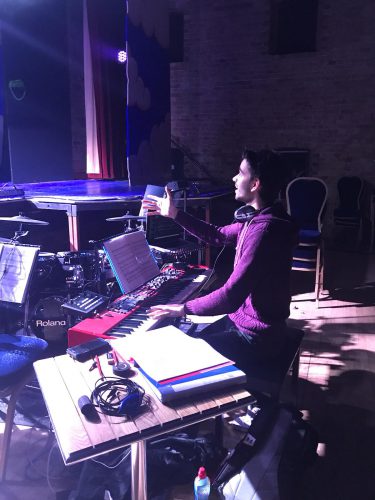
(131, 260)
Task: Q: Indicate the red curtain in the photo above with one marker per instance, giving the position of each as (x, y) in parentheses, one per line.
(106, 23)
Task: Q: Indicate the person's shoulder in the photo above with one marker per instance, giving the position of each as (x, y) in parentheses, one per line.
(273, 213)
(274, 218)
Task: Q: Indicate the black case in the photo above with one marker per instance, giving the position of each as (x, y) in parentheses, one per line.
(83, 352)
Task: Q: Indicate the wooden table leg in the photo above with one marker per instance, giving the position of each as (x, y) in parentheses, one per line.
(138, 475)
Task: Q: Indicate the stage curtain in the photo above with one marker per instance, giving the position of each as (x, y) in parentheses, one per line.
(1, 112)
(105, 89)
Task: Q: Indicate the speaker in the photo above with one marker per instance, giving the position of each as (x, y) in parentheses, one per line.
(37, 90)
(293, 26)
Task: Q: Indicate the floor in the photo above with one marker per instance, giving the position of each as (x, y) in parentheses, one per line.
(336, 395)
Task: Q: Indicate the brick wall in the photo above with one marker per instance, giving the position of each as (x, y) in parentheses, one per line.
(230, 92)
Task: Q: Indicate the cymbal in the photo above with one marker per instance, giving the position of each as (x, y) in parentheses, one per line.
(5, 240)
(126, 217)
(22, 219)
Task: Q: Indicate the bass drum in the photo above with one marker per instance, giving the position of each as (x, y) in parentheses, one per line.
(48, 273)
(48, 321)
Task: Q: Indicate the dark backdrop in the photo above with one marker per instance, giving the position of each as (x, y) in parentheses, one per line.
(36, 83)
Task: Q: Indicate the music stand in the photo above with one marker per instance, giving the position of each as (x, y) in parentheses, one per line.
(16, 267)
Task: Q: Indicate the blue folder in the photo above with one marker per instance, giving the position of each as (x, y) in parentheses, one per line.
(199, 383)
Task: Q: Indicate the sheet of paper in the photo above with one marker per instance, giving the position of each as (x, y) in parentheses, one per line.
(16, 265)
(168, 352)
(131, 260)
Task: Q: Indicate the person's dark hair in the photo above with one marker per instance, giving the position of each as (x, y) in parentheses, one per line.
(268, 167)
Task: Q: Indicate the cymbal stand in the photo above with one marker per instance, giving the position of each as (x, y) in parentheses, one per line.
(139, 227)
(128, 226)
(98, 275)
(20, 233)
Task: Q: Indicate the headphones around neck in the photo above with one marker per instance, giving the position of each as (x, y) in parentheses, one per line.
(245, 213)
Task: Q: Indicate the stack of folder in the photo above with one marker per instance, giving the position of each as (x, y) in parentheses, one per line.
(177, 366)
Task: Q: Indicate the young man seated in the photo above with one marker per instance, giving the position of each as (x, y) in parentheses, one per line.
(256, 296)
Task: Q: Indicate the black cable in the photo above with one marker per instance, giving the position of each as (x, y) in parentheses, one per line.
(119, 397)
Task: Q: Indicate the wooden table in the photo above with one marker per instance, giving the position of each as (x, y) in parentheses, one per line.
(63, 381)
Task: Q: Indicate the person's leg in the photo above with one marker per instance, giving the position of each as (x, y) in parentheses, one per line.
(255, 355)
(243, 349)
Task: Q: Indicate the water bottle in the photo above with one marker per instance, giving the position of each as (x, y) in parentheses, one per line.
(202, 485)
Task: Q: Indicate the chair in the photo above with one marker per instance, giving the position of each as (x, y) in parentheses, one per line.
(17, 354)
(306, 200)
(348, 214)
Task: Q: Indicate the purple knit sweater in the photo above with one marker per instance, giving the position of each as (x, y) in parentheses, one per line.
(256, 295)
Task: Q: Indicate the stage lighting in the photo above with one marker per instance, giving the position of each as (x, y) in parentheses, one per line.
(121, 56)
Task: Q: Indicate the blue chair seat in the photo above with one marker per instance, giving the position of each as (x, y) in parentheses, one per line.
(309, 237)
(17, 354)
(304, 265)
(305, 253)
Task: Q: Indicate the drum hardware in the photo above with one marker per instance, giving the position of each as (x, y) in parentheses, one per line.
(129, 218)
(76, 263)
(74, 276)
(99, 274)
(85, 268)
(22, 220)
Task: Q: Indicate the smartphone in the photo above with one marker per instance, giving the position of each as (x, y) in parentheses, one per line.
(87, 350)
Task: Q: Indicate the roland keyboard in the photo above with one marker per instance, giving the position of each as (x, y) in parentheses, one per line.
(127, 315)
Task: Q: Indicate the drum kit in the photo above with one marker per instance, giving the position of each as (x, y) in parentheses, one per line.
(55, 279)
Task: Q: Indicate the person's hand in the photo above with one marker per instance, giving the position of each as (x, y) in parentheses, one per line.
(166, 311)
(154, 205)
